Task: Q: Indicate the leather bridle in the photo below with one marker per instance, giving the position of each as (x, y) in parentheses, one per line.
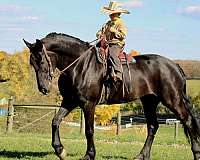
(44, 50)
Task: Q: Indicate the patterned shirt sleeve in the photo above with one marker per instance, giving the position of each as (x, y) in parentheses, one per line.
(121, 30)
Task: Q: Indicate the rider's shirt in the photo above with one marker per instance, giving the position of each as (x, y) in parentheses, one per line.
(114, 32)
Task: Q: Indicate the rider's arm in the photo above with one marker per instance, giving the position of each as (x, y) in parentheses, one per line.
(119, 30)
(100, 33)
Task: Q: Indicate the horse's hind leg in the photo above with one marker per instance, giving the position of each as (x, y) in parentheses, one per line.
(56, 144)
(150, 103)
(181, 106)
(89, 110)
(191, 127)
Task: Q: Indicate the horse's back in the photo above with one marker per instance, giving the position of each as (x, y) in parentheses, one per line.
(153, 74)
(156, 65)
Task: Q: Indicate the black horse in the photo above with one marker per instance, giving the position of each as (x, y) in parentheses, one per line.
(155, 79)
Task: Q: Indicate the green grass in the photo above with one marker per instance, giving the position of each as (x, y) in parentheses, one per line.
(25, 146)
(193, 87)
(35, 146)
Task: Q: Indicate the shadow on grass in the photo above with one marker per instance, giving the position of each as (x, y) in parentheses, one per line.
(114, 157)
(21, 154)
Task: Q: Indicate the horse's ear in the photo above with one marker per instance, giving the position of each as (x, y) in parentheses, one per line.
(29, 45)
(38, 44)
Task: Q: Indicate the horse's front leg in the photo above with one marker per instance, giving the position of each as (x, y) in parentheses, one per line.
(56, 144)
(89, 110)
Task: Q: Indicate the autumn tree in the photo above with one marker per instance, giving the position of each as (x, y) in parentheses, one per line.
(104, 113)
(22, 81)
(3, 55)
(191, 68)
(16, 69)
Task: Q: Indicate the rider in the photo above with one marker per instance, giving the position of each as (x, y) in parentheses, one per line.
(114, 32)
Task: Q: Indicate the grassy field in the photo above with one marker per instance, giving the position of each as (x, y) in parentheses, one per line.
(35, 146)
(25, 146)
(193, 87)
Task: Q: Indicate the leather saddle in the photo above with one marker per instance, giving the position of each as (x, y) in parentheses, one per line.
(102, 54)
(102, 57)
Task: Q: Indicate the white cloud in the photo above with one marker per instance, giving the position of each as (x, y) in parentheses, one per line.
(13, 8)
(16, 29)
(133, 4)
(13, 29)
(30, 18)
(193, 11)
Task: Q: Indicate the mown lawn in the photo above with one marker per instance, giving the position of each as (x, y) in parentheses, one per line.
(25, 146)
(37, 146)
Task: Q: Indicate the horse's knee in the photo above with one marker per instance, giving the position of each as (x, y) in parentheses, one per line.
(59, 116)
(153, 129)
(56, 120)
(89, 133)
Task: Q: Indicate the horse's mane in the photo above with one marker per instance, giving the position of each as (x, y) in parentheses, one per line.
(66, 42)
(63, 36)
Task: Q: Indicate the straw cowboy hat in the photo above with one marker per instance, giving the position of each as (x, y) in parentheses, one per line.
(114, 7)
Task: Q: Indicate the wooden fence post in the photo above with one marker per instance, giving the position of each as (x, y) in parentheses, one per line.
(118, 123)
(10, 115)
(82, 123)
(176, 131)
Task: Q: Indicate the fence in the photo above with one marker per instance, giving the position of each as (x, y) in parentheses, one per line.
(51, 110)
(12, 113)
(15, 117)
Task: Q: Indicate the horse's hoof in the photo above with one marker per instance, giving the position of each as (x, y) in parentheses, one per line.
(86, 157)
(139, 157)
(62, 154)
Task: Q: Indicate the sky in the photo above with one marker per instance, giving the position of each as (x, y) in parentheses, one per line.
(170, 28)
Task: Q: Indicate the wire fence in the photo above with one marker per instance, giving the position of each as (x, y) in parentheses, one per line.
(32, 120)
(38, 119)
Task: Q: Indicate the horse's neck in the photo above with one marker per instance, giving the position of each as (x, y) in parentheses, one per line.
(87, 68)
(74, 56)
(66, 57)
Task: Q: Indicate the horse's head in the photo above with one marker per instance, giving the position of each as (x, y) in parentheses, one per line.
(41, 62)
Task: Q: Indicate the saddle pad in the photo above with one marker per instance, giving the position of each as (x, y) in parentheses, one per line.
(123, 57)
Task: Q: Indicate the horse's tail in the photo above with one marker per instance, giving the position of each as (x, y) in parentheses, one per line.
(181, 71)
(188, 105)
(194, 118)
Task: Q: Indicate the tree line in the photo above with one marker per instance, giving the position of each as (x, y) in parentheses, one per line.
(190, 67)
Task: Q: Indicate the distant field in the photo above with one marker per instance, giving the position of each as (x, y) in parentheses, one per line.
(109, 146)
(193, 87)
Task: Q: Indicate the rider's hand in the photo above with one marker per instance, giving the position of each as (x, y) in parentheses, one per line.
(101, 37)
(112, 29)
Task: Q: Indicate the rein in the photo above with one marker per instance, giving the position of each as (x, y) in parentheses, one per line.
(62, 71)
(48, 61)
(97, 41)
